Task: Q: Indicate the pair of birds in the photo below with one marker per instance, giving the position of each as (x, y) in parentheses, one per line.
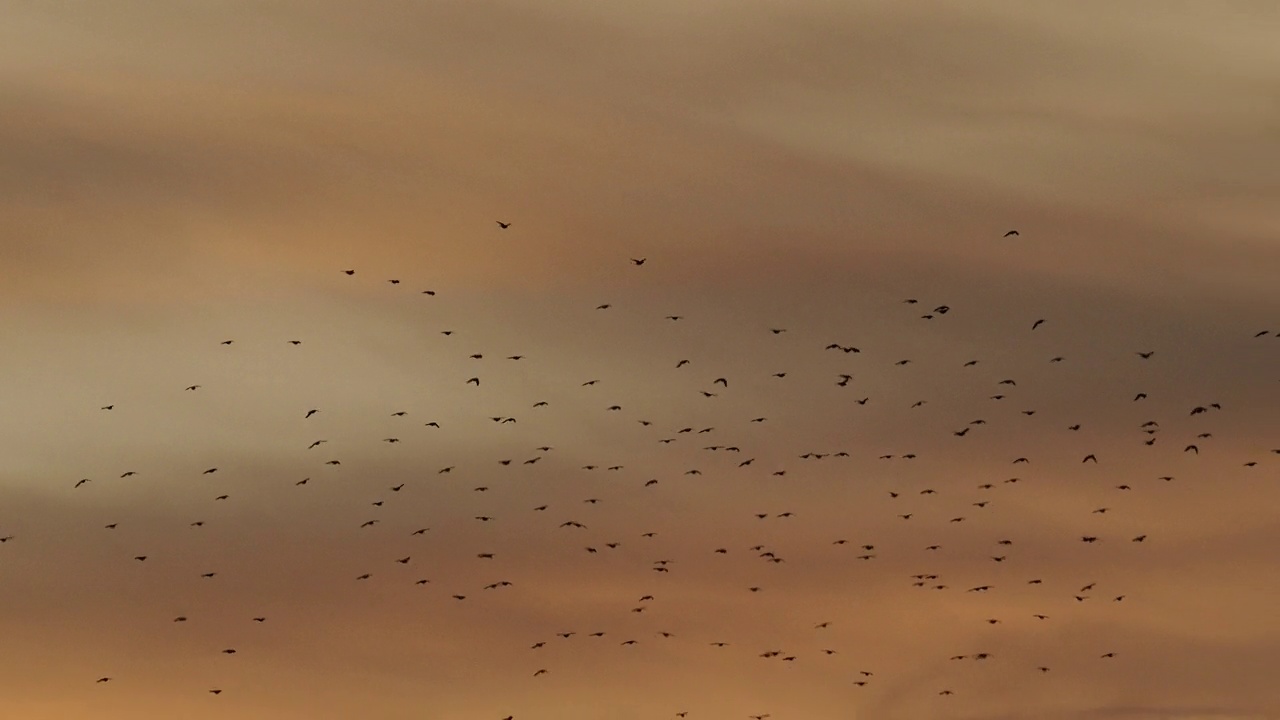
(214, 691)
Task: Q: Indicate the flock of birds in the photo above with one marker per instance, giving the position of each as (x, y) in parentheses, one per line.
(741, 456)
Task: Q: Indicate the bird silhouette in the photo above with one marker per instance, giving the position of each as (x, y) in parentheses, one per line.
(759, 430)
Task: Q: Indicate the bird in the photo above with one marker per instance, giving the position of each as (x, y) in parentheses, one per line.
(503, 225)
(1011, 233)
(759, 415)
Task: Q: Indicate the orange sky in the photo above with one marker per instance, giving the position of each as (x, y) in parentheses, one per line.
(173, 175)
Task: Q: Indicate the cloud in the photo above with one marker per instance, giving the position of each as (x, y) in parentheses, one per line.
(179, 174)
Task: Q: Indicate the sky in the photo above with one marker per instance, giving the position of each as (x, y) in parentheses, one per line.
(177, 174)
